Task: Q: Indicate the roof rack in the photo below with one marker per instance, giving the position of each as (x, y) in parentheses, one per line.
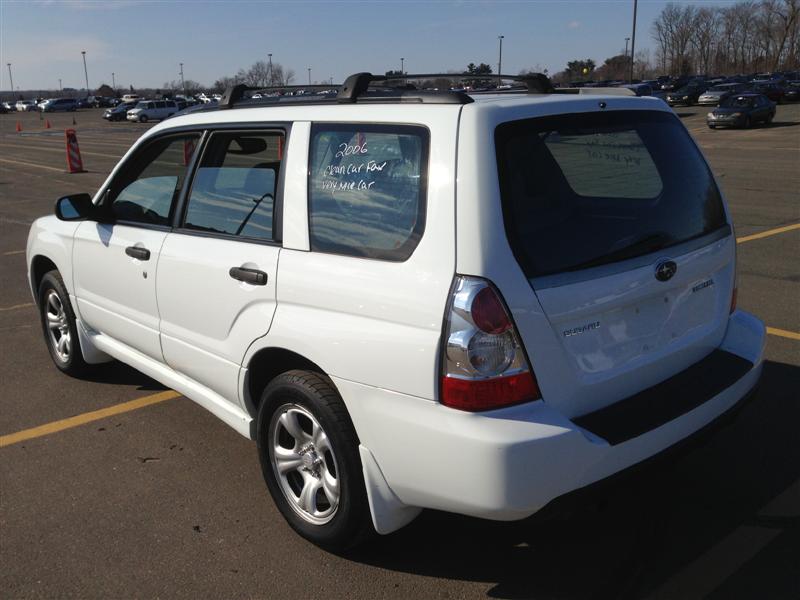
(535, 83)
(236, 93)
(359, 88)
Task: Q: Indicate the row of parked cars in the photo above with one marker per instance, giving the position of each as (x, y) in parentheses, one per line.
(709, 94)
(741, 101)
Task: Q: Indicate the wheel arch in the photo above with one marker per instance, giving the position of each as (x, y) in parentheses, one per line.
(40, 265)
(264, 366)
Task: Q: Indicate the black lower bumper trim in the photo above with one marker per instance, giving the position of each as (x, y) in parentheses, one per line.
(651, 408)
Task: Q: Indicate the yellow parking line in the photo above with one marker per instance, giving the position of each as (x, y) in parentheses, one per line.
(769, 232)
(792, 335)
(13, 252)
(15, 306)
(55, 426)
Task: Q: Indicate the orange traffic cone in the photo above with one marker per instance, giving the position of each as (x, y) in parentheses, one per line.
(47, 124)
(19, 127)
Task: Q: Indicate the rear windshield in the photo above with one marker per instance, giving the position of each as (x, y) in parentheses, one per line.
(583, 190)
(739, 102)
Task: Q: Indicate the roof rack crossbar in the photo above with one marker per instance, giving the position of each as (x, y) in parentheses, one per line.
(357, 85)
(536, 83)
(236, 93)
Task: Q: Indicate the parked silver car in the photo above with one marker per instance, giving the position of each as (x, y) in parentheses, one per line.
(714, 96)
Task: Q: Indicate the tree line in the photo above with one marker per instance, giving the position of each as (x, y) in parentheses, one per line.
(746, 37)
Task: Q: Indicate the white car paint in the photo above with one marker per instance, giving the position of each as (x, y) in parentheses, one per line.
(375, 327)
(152, 110)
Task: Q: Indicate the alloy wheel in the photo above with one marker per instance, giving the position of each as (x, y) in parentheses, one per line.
(58, 326)
(304, 464)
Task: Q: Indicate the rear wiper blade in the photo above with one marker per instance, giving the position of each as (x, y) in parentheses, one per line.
(645, 245)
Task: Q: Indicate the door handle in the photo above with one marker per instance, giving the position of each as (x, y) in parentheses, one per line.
(251, 276)
(138, 252)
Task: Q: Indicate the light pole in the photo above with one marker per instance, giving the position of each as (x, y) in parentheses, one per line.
(85, 72)
(633, 39)
(11, 80)
(627, 39)
(500, 60)
(113, 81)
(402, 66)
(183, 82)
(60, 87)
(309, 75)
(271, 80)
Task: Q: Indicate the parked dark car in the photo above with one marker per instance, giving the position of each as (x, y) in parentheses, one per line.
(792, 91)
(688, 94)
(674, 84)
(104, 102)
(742, 110)
(119, 112)
(773, 90)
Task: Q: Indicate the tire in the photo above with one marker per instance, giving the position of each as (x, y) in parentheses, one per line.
(748, 122)
(58, 325)
(143, 119)
(712, 126)
(325, 466)
(768, 121)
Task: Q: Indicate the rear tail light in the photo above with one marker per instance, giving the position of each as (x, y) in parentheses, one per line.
(483, 364)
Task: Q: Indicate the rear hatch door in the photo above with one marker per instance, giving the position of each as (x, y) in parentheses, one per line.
(618, 224)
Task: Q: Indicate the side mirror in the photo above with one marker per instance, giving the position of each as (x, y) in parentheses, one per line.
(76, 207)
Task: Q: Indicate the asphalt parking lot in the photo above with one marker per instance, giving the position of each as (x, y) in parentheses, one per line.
(163, 499)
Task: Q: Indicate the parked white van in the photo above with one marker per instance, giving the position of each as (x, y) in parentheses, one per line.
(474, 303)
(152, 110)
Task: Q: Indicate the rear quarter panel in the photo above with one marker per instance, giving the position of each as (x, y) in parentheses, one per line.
(370, 321)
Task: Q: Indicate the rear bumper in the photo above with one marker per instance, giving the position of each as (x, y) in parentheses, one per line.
(508, 464)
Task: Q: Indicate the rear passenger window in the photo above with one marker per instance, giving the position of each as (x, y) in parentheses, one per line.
(234, 189)
(367, 187)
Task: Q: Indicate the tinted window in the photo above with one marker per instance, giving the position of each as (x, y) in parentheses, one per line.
(149, 183)
(160, 104)
(738, 102)
(367, 189)
(234, 189)
(589, 189)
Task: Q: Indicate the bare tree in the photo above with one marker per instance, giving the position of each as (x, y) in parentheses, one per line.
(744, 37)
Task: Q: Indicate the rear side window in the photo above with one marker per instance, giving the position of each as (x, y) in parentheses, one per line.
(234, 188)
(367, 186)
(582, 190)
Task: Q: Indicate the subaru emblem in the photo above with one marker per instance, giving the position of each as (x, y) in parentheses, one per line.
(665, 270)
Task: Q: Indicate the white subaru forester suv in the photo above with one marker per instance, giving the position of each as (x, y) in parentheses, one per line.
(412, 299)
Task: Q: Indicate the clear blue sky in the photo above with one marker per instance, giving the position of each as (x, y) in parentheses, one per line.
(143, 41)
